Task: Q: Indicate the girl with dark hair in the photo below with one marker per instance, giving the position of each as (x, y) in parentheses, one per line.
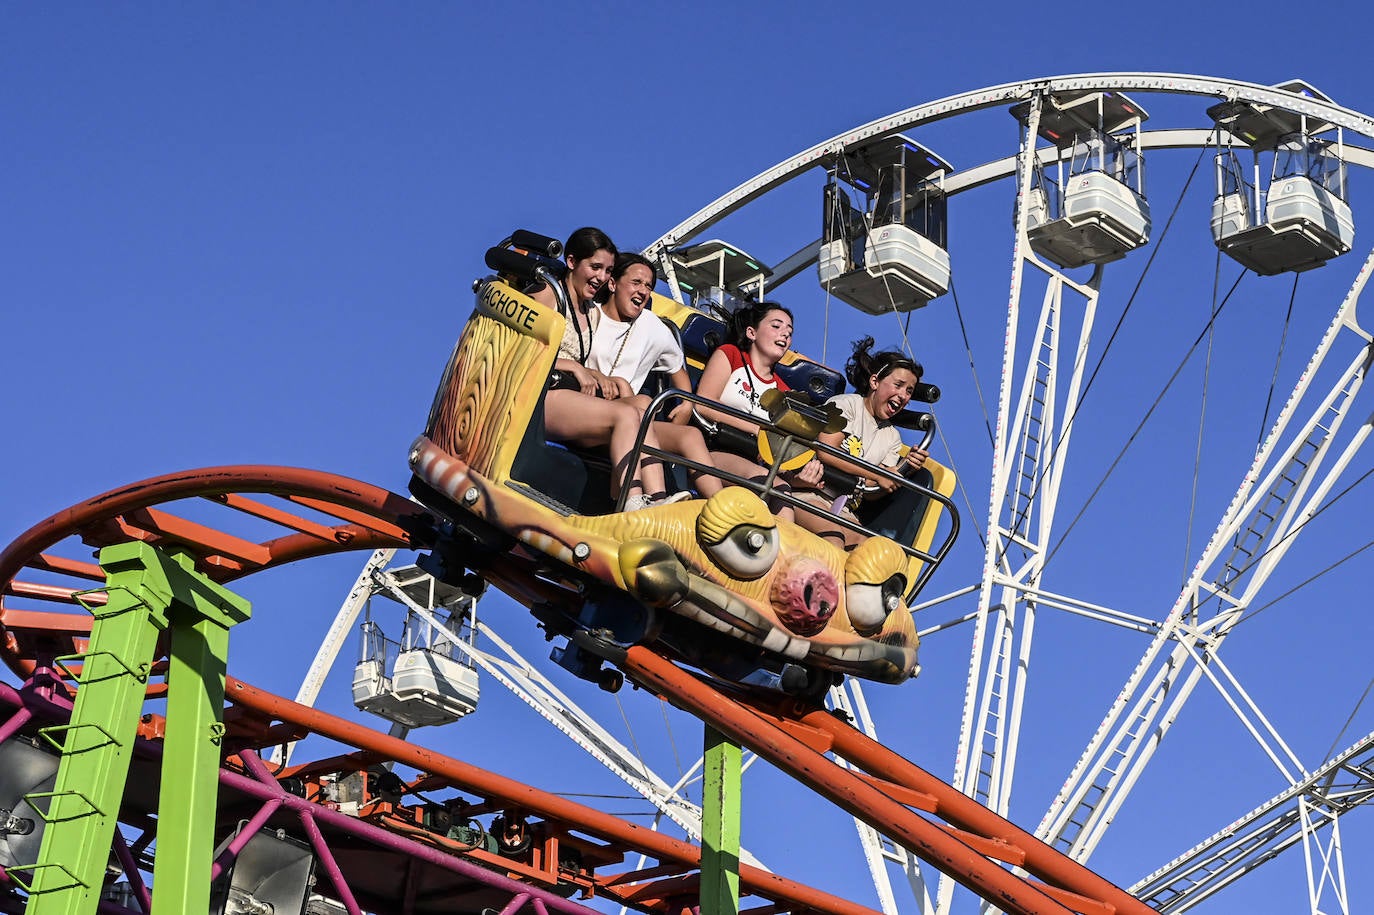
(884, 383)
(589, 254)
(624, 346)
(737, 375)
(593, 415)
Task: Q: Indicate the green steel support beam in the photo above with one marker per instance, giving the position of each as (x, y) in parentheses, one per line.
(720, 819)
(191, 750)
(147, 592)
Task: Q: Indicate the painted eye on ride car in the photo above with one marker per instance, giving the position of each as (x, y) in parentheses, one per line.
(870, 605)
(874, 583)
(738, 532)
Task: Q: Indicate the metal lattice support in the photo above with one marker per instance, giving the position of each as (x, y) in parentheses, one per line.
(1308, 811)
(1031, 450)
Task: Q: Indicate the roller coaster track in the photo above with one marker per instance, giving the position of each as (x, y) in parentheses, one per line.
(385, 851)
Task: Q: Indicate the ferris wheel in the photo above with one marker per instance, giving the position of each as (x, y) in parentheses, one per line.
(1146, 645)
(1151, 397)
(1263, 172)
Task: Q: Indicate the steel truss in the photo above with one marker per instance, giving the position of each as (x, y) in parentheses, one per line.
(1303, 812)
(1291, 476)
(382, 857)
(377, 849)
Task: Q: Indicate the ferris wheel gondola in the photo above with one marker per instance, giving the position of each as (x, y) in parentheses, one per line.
(1087, 204)
(1298, 217)
(890, 254)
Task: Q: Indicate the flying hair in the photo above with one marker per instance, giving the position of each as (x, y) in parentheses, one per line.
(863, 365)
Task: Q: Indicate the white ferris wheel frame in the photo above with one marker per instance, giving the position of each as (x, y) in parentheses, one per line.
(1292, 473)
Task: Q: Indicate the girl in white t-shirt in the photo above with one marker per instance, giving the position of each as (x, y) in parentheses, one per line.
(629, 343)
(884, 383)
(596, 414)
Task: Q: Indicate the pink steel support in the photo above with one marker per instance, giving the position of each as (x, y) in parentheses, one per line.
(126, 861)
(516, 904)
(255, 823)
(331, 867)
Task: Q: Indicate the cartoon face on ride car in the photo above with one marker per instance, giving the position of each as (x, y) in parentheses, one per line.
(735, 569)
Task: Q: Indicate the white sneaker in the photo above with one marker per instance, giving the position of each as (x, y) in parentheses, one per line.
(644, 500)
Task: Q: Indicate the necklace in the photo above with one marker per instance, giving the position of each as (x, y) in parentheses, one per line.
(623, 340)
(584, 343)
(750, 375)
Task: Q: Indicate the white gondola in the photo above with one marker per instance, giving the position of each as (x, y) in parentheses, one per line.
(1300, 218)
(432, 680)
(1088, 206)
(716, 276)
(891, 255)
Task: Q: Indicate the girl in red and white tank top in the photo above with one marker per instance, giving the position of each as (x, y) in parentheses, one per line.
(738, 373)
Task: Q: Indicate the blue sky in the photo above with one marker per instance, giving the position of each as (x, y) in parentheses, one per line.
(247, 233)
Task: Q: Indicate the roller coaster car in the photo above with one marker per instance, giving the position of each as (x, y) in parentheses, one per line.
(720, 582)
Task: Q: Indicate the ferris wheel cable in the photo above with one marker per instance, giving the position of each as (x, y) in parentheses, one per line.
(630, 732)
(968, 348)
(672, 742)
(825, 330)
(1278, 358)
(1206, 330)
(1363, 696)
(611, 797)
(1022, 516)
(959, 482)
(825, 313)
(944, 442)
(1201, 420)
(906, 339)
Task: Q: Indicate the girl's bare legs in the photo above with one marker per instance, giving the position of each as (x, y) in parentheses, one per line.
(590, 422)
(841, 536)
(687, 441)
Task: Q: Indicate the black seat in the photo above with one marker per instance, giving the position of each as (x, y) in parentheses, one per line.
(816, 380)
(702, 334)
(578, 480)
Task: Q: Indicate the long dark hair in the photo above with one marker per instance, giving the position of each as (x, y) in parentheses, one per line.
(752, 316)
(863, 365)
